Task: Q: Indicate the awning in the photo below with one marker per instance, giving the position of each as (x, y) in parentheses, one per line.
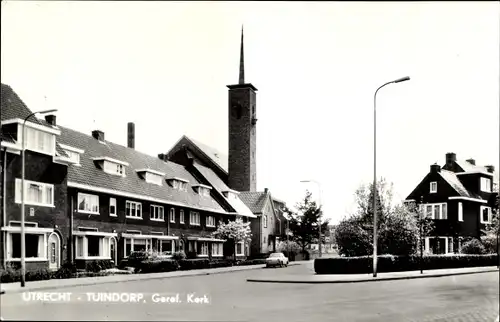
(94, 233)
(206, 239)
(138, 236)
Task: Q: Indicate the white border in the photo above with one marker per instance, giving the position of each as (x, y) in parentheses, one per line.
(468, 198)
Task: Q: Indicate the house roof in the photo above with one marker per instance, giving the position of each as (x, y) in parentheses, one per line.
(254, 200)
(90, 175)
(13, 107)
(220, 186)
(469, 167)
(456, 184)
(220, 159)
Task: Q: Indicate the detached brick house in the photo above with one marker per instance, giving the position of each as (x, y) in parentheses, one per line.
(459, 198)
(46, 223)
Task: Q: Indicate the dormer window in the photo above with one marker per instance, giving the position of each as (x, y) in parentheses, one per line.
(230, 194)
(486, 184)
(202, 190)
(73, 153)
(112, 166)
(178, 183)
(151, 176)
(40, 141)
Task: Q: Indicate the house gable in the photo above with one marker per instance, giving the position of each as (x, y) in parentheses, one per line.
(444, 189)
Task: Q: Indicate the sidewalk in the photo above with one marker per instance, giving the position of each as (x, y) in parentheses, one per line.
(357, 278)
(84, 281)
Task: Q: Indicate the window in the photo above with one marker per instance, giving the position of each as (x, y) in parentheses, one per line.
(217, 249)
(35, 193)
(40, 141)
(156, 213)
(119, 169)
(153, 178)
(485, 215)
(183, 186)
(438, 245)
(181, 216)
(88, 203)
(460, 212)
(265, 221)
(202, 249)
(239, 249)
(434, 187)
(73, 156)
(35, 246)
(175, 184)
(167, 247)
(92, 247)
(112, 207)
(133, 209)
(436, 211)
(194, 218)
(486, 184)
(172, 215)
(210, 221)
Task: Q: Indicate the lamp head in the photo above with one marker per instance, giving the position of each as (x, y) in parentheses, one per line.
(403, 79)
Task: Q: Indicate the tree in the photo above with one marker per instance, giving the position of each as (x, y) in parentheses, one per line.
(303, 223)
(351, 237)
(234, 231)
(490, 238)
(364, 199)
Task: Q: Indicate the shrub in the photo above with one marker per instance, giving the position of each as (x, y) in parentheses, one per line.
(473, 246)
(352, 239)
(197, 263)
(98, 265)
(67, 270)
(389, 263)
(178, 256)
(135, 258)
(252, 262)
(158, 266)
(221, 263)
(490, 243)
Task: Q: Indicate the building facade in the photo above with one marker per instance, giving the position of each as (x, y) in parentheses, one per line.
(459, 198)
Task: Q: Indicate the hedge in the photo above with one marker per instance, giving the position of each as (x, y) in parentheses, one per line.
(158, 266)
(252, 262)
(388, 263)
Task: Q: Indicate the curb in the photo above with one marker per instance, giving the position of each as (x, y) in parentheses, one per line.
(20, 290)
(254, 280)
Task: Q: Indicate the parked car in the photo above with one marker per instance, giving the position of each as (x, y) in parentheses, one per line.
(277, 259)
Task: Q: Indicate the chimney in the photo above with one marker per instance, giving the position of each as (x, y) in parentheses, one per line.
(266, 190)
(490, 168)
(131, 135)
(450, 158)
(51, 119)
(471, 161)
(98, 135)
(435, 168)
(161, 156)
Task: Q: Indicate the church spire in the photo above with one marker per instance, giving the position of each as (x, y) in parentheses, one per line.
(242, 61)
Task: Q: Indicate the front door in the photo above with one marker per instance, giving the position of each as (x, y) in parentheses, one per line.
(54, 252)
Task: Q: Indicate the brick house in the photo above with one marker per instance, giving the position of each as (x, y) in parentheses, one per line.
(46, 167)
(459, 198)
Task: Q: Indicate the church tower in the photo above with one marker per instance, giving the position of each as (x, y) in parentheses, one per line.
(242, 132)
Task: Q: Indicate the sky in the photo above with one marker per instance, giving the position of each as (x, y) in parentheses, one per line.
(316, 65)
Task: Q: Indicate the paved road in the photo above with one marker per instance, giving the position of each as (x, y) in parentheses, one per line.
(456, 298)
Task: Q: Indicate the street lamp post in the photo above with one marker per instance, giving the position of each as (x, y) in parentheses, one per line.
(375, 171)
(23, 235)
(320, 213)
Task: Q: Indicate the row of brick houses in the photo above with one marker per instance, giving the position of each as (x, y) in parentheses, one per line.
(459, 196)
(90, 199)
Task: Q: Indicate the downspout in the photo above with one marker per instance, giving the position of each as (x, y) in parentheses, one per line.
(4, 205)
(71, 243)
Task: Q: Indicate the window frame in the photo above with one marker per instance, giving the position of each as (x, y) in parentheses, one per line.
(265, 220)
(104, 247)
(111, 202)
(433, 210)
(83, 211)
(220, 249)
(431, 186)
(181, 216)
(482, 208)
(485, 184)
(209, 218)
(32, 141)
(42, 251)
(154, 211)
(171, 215)
(460, 212)
(27, 201)
(195, 215)
(242, 248)
(137, 206)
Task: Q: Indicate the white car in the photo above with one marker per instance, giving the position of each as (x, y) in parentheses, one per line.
(277, 259)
